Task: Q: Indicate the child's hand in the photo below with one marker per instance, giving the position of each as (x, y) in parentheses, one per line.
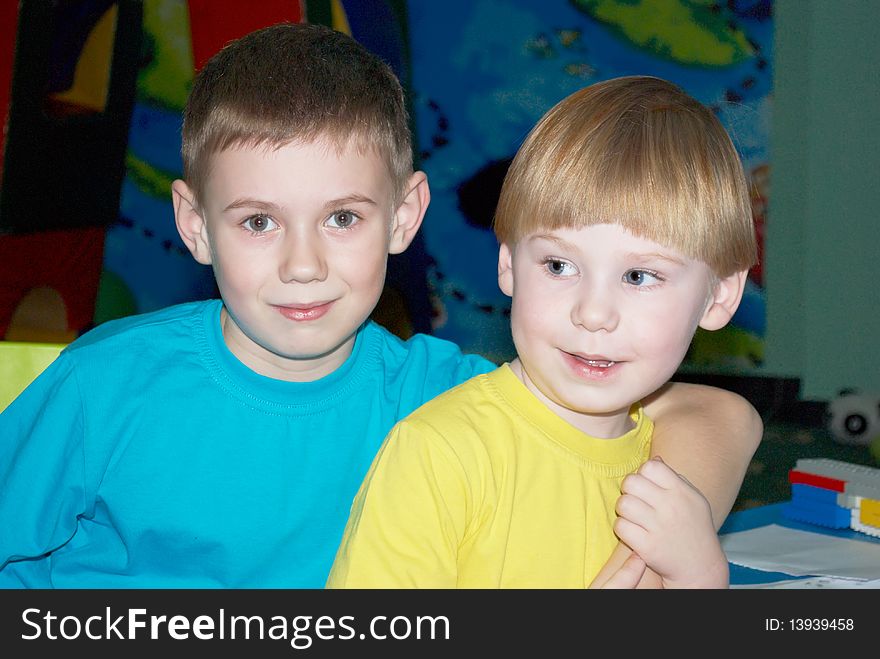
(627, 575)
(668, 522)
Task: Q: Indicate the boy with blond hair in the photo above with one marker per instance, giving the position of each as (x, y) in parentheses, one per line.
(220, 443)
(624, 223)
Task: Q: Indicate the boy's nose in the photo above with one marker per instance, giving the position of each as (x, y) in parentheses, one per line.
(303, 260)
(595, 309)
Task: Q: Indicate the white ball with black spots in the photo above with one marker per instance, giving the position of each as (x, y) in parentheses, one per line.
(854, 418)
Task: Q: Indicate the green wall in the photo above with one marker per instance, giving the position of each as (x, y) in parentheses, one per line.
(823, 225)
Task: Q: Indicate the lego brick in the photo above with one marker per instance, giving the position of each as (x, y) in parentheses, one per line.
(868, 529)
(863, 490)
(807, 493)
(837, 469)
(831, 516)
(869, 512)
(845, 500)
(816, 480)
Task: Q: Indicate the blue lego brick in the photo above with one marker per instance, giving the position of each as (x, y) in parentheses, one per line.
(813, 494)
(831, 516)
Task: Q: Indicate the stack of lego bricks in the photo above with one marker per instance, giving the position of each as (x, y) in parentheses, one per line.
(835, 494)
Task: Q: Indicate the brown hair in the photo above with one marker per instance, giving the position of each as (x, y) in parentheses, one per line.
(639, 152)
(295, 83)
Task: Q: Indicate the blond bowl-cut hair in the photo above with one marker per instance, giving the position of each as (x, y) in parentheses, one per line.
(639, 152)
(296, 83)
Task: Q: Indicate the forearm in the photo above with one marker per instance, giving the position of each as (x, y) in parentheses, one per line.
(709, 436)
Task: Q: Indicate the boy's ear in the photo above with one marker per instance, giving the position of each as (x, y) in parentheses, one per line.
(505, 269)
(409, 214)
(190, 223)
(725, 299)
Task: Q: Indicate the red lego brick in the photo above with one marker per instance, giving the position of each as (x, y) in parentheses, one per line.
(795, 476)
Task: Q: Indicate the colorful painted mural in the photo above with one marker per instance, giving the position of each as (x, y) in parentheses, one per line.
(67, 91)
(479, 74)
(497, 65)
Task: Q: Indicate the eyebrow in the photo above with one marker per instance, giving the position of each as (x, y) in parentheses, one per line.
(656, 255)
(253, 203)
(271, 207)
(347, 200)
(564, 244)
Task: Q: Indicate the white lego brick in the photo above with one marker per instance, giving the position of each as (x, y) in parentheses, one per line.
(856, 525)
(860, 480)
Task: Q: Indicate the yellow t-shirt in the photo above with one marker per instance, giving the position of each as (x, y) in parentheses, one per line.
(485, 487)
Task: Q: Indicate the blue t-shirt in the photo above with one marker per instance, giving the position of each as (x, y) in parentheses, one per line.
(148, 456)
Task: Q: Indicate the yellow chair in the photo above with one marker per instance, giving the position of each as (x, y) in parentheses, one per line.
(20, 364)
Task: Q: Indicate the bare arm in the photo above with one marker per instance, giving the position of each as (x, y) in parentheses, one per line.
(709, 436)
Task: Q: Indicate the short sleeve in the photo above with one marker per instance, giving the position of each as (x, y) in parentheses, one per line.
(408, 518)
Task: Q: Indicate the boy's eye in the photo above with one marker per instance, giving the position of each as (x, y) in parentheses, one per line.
(559, 268)
(259, 224)
(641, 277)
(343, 220)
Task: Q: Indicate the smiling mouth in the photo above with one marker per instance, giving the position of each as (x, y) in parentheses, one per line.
(304, 312)
(592, 367)
(594, 362)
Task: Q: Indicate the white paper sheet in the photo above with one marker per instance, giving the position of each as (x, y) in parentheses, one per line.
(812, 582)
(776, 548)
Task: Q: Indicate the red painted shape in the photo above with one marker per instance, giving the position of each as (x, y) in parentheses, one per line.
(214, 23)
(8, 32)
(68, 261)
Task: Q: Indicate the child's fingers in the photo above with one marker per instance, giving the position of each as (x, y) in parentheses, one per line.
(629, 574)
(666, 479)
(635, 510)
(630, 534)
(639, 485)
(657, 471)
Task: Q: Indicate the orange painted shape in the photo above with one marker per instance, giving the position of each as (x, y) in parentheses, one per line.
(91, 78)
